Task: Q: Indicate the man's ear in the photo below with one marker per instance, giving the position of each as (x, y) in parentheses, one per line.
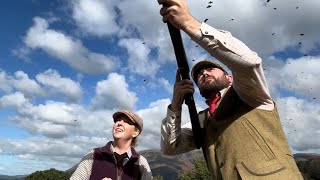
(229, 78)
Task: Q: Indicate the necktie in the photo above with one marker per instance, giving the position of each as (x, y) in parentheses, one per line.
(213, 104)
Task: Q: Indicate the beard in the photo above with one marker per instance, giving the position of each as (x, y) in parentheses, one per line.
(212, 86)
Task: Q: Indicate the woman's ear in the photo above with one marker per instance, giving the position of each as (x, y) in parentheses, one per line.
(136, 133)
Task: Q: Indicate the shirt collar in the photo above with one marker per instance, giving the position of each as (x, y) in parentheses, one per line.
(129, 153)
(222, 92)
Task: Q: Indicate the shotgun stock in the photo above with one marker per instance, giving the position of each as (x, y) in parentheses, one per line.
(185, 74)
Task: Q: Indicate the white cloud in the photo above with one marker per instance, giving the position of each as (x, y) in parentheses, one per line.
(301, 121)
(5, 84)
(36, 154)
(67, 49)
(52, 80)
(15, 101)
(46, 84)
(59, 120)
(95, 17)
(26, 85)
(297, 76)
(166, 85)
(139, 60)
(20, 82)
(300, 76)
(114, 93)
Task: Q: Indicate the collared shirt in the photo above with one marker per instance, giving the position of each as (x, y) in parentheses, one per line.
(248, 81)
(84, 168)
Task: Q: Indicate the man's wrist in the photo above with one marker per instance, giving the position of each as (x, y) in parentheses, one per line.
(174, 108)
(192, 27)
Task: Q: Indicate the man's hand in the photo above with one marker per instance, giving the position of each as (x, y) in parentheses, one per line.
(181, 88)
(177, 13)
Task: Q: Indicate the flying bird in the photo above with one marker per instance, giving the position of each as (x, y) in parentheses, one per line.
(231, 19)
(268, 0)
(205, 20)
(210, 2)
(272, 34)
(275, 8)
(209, 6)
(301, 34)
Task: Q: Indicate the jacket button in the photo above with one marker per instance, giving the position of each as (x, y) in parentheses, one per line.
(221, 164)
(206, 32)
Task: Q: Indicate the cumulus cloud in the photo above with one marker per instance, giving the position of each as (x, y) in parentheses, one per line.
(15, 101)
(46, 84)
(113, 93)
(301, 122)
(300, 76)
(52, 80)
(96, 17)
(41, 153)
(26, 85)
(20, 82)
(67, 49)
(5, 84)
(297, 76)
(139, 61)
(166, 85)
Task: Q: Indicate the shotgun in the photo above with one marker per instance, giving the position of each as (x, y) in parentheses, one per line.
(185, 74)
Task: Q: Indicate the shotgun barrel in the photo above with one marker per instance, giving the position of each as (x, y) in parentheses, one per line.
(185, 74)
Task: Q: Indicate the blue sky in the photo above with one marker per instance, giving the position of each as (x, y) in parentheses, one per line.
(66, 66)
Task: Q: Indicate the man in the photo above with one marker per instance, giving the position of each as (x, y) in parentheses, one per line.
(241, 131)
(118, 159)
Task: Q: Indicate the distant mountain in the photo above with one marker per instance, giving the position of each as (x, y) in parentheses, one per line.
(169, 166)
(309, 165)
(4, 177)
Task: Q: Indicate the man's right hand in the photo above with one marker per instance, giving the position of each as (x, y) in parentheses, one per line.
(181, 88)
(177, 13)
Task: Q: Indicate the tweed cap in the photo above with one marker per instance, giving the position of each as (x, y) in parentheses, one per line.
(204, 64)
(132, 116)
